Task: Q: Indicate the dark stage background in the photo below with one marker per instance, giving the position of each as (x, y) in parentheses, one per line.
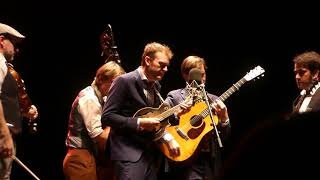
(62, 52)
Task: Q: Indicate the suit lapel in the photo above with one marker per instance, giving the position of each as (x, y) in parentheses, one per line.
(315, 101)
(139, 86)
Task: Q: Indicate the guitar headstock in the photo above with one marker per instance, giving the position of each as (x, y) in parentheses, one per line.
(254, 73)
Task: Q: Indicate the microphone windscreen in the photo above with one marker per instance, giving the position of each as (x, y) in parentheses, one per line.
(195, 75)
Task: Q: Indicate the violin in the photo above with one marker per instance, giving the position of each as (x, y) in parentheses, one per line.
(24, 100)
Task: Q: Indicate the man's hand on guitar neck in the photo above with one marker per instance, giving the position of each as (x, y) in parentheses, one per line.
(221, 111)
(148, 124)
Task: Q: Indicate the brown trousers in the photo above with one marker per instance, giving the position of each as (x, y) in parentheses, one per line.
(79, 164)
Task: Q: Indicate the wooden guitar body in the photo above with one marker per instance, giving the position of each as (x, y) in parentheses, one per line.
(191, 129)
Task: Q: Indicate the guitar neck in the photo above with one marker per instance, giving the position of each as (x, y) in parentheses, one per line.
(169, 112)
(235, 87)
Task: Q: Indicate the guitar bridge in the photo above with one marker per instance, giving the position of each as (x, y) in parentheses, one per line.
(182, 134)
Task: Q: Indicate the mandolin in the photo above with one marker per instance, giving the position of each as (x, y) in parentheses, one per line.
(162, 113)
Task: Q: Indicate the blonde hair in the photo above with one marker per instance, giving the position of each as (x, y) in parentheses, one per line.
(151, 48)
(192, 62)
(108, 71)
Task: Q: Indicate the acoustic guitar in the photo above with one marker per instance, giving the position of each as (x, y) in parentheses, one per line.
(196, 123)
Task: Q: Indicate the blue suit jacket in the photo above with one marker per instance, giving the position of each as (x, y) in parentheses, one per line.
(125, 98)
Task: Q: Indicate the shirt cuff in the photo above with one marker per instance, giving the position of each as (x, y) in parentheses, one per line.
(167, 137)
(224, 124)
(138, 125)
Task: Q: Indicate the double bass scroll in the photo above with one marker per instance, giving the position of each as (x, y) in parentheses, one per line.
(109, 48)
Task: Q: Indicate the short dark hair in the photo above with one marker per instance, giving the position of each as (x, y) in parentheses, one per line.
(309, 60)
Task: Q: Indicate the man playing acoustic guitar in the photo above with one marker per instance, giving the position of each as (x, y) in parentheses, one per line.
(205, 162)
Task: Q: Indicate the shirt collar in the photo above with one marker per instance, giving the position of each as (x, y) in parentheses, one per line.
(144, 78)
(312, 91)
(97, 92)
(142, 75)
(2, 58)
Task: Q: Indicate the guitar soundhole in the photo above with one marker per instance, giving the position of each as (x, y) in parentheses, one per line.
(195, 132)
(196, 121)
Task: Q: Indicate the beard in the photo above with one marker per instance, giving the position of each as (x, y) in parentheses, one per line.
(9, 56)
(305, 85)
(153, 74)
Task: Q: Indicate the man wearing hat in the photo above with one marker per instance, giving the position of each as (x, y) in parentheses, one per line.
(9, 98)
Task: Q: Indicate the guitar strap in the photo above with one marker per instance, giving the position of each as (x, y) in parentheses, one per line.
(159, 95)
(157, 92)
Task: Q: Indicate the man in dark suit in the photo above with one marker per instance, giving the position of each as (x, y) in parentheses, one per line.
(307, 71)
(132, 145)
(204, 164)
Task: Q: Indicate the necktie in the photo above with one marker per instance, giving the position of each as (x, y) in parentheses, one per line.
(150, 92)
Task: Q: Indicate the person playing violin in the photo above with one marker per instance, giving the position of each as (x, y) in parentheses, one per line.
(10, 96)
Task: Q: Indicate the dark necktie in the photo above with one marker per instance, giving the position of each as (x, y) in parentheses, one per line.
(150, 92)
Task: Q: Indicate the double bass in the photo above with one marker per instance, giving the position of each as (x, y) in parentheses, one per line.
(108, 46)
(109, 53)
(25, 102)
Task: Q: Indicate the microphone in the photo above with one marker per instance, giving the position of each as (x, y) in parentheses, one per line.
(195, 76)
(194, 84)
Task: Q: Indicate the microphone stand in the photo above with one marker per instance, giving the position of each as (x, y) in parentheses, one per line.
(211, 115)
(25, 167)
